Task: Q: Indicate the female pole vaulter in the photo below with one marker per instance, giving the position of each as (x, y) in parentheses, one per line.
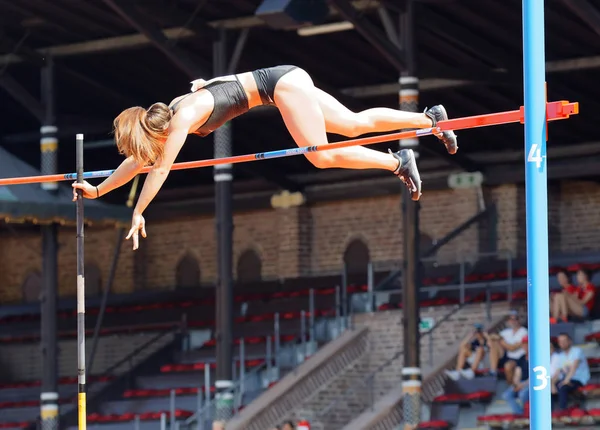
(154, 136)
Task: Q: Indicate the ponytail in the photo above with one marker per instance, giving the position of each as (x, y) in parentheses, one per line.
(141, 133)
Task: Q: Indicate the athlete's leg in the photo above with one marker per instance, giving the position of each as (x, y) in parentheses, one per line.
(341, 120)
(295, 96)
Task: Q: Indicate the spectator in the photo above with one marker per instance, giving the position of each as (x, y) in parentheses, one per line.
(288, 425)
(218, 425)
(554, 364)
(471, 353)
(506, 349)
(556, 299)
(577, 301)
(519, 388)
(573, 370)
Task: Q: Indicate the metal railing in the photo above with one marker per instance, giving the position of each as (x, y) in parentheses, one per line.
(290, 354)
(263, 373)
(300, 348)
(341, 319)
(131, 360)
(365, 388)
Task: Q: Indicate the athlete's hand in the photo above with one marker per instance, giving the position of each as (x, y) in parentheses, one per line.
(197, 84)
(89, 191)
(138, 223)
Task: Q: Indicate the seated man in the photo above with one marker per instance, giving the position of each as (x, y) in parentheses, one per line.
(472, 351)
(577, 301)
(573, 370)
(554, 365)
(506, 349)
(519, 389)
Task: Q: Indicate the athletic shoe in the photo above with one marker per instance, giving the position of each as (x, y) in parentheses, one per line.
(408, 172)
(448, 138)
(467, 373)
(453, 374)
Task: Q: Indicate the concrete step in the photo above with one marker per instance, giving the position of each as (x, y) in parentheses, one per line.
(33, 393)
(152, 404)
(143, 425)
(26, 414)
(171, 380)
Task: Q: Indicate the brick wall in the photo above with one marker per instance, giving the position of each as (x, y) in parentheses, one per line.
(21, 254)
(580, 216)
(385, 337)
(312, 240)
(22, 362)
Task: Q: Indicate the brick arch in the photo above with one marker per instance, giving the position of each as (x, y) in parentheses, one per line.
(356, 256)
(249, 266)
(93, 279)
(187, 271)
(31, 288)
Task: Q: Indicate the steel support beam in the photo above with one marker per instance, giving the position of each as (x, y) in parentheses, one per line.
(223, 178)
(49, 397)
(388, 25)
(22, 96)
(65, 18)
(411, 280)
(184, 61)
(178, 17)
(238, 50)
(376, 38)
(586, 11)
(66, 129)
(557, 66)
(38, 59)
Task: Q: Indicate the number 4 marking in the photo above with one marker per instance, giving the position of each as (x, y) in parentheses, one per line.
(535, 155)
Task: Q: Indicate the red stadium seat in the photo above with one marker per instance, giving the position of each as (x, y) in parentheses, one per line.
(593, 337)
(498, 297)
(449, 398)
(479, 396)
(325, 291)
(21, 425)
(590, 390)
(434, 425)
(473, 277)
(503, 274)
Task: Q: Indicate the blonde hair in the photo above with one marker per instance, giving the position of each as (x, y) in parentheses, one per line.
(140, 133)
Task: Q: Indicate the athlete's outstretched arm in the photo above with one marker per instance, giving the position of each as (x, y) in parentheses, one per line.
(122, 175)
(155, 180)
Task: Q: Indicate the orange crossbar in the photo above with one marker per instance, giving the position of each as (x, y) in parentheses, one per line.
(554, 111)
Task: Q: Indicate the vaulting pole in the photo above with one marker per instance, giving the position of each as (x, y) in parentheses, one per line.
(81, 394)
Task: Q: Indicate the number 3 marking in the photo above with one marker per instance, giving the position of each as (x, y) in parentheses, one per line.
(535, 155)
(542, 376)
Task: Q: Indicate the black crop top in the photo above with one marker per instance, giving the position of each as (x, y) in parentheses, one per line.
(230, 101)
